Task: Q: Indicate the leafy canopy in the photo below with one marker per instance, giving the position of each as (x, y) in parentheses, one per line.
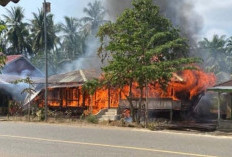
(143, 46)
(2, 57)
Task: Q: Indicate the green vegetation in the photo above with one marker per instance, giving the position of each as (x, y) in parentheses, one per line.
(217, 54)
(29, 91)
(65, 41)
(91, 119)
(144, 47)
(2, 57)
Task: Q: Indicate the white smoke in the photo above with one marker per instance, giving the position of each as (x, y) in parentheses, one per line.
(90, 59)
(15, 90)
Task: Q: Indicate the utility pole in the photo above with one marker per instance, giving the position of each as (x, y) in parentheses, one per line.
(46, 9)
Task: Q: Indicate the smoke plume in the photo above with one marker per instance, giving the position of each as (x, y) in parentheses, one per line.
(180, 12)
(89, 60)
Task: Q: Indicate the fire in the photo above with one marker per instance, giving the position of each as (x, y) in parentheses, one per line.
(189, 83)
(183, 86)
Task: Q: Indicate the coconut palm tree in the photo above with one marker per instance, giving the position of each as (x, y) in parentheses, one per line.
(37, 31)
(73, 37)
(215, 54)
(216, 46)
(229, 46)
(17, 33)
(37, 35)
(95, 16)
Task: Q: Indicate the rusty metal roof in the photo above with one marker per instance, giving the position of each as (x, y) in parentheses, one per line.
(78, 76)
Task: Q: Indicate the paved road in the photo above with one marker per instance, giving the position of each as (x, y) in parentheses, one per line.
(44, 140)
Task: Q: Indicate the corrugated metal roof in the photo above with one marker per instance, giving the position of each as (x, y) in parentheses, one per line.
(227, 83)
(78, 76)
(221, 89)
(70, 79)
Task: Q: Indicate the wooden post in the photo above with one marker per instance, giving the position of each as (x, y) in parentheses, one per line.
(29, 105)
(171, 112)
(108, 97)
(230, 105)
(219, 108)
(146, 107)
(91, 104)
(78, 96)
(61, 97)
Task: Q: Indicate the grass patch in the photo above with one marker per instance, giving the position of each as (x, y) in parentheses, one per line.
(91, 119)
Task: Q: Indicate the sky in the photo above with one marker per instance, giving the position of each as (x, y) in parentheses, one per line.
(216, 14)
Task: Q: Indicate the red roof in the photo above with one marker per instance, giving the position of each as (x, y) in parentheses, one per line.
(11, 58)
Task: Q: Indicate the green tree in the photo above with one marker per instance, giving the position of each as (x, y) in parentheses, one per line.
(215, 53)
(216, 46)
(73, 38)
(2, 36)
(37, 31)
(143, 47)
(17, 33)
(2, 57)
(229, 46)
(90, 87)
(2, 28)
(95, 16)
(29, 91)
(37, 35)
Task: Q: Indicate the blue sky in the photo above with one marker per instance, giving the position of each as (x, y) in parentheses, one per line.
(60, 8)
(216, 14)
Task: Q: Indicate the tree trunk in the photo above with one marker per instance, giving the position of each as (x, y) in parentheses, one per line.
(140, 105)
(146, 107)
(109, 97)
(91, 106)
(29, 105)
(129, 98)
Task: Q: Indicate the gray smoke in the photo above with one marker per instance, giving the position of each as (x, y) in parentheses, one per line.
(180, 12)
(15, 90)
(89, 60)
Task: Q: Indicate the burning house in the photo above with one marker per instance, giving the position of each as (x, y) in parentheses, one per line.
(182, 94)
(65, 92)
(16, 67)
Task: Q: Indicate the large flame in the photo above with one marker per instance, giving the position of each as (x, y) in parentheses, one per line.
(183, 86)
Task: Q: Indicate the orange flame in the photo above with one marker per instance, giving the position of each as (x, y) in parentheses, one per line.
(184, 86)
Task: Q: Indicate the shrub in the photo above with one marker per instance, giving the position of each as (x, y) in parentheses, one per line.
(91, 119)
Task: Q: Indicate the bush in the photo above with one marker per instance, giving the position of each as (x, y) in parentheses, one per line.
(40, 113)
(91, 119)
